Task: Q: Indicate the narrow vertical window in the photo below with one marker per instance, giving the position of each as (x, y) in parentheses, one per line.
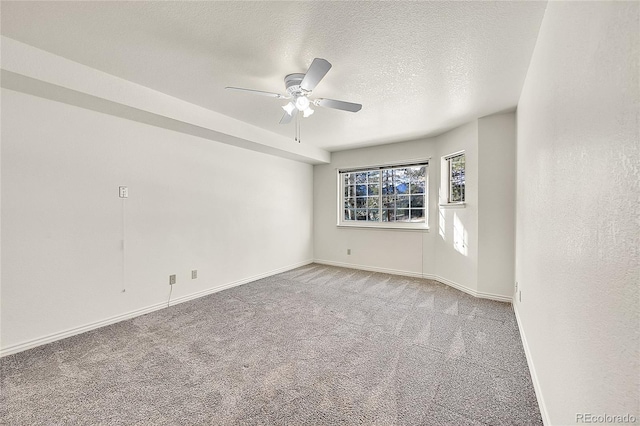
(456, 165)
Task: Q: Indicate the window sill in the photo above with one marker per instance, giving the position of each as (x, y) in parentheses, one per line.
(453, 205)
(403, 227)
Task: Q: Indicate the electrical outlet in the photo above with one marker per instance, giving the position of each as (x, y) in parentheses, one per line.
(194, 274)
(348, 251)
(172, 279)
(516, 286)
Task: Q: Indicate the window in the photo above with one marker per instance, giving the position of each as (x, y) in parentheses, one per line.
(456, 171)
(386, 196)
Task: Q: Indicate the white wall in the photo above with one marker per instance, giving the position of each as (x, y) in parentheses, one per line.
(228, 212)
(496, 201)
(577, 210)
(395, 251)
(455, 229)
(431, 254)
(31, 70)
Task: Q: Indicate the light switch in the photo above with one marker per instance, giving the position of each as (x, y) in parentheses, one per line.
(123, 192)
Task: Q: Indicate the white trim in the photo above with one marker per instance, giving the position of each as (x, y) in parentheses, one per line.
(461, 205)
(474, 293)
(369, 268)
(212, 290)
(447, 160)
(368, 225)
(387, 225)
(384, 165)
(470, 291)
(532, 369)
(455, 154)
(19, 347)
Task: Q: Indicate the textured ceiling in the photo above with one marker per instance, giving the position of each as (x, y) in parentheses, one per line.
(418, 68)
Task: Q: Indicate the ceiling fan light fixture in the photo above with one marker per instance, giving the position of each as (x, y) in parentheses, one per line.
(289, 108)
(298, 88)
(302, 103)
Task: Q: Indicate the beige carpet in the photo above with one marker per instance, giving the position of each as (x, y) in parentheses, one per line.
(318, 345)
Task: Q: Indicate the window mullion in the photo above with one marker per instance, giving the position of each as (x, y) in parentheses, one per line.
(450, 199)
(341, 199)
(380, 196)
(350, 187)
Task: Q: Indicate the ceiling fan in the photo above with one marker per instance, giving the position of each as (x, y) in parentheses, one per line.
(299, 87)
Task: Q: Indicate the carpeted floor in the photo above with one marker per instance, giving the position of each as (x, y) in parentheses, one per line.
(318, 345)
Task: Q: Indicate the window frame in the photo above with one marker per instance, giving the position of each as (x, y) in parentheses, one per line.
(419, 226)
(448, 188)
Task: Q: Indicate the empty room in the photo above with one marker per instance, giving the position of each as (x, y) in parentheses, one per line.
(319, 213)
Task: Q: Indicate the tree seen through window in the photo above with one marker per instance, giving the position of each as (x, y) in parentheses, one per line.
(385, 194)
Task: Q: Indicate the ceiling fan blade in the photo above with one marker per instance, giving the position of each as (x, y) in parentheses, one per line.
(259, 92)
(286, 118)
(341, 105)
(318, 69)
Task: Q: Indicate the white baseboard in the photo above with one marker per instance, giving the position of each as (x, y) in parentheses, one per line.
(474, 293)
(9, 350)
(532, 369)
(369, 268)
(216, 289)
(77, 330)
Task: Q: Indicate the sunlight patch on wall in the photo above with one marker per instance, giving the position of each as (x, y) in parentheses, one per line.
(460, 236)
(441, 223)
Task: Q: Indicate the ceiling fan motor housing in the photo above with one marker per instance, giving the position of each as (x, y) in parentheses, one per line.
(299, 86)
(292, 83)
